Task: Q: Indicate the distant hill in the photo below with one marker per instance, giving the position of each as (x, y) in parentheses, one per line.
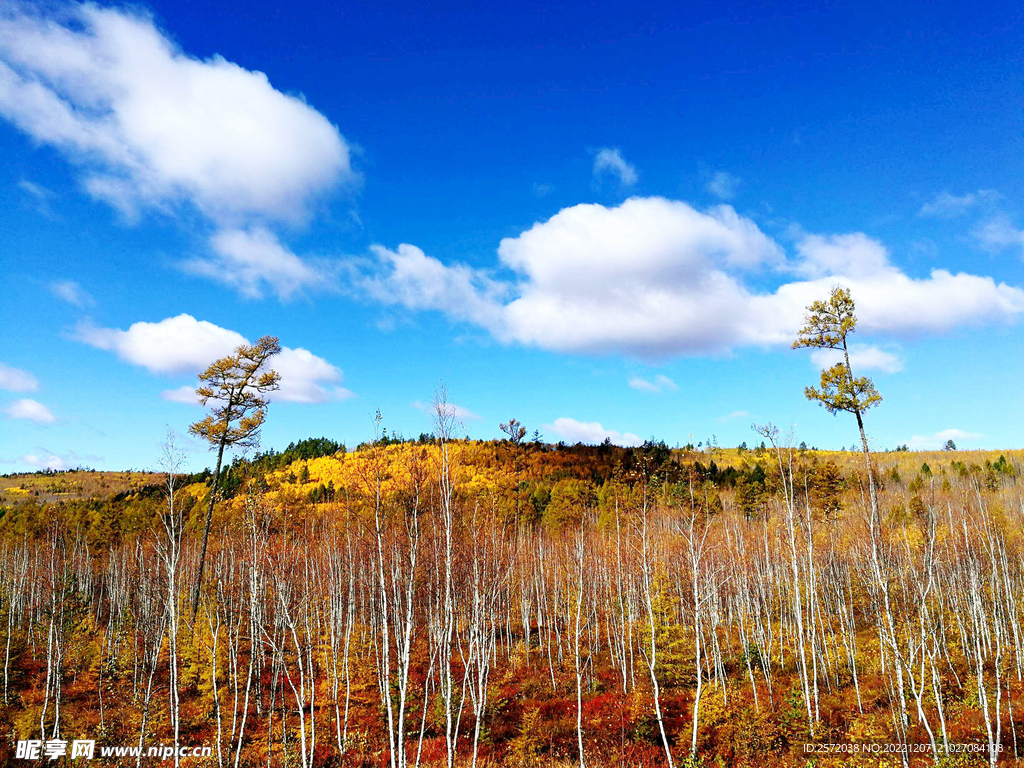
(72, 484)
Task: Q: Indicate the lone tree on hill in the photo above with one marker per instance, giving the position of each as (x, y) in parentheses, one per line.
(826, 326)
(238, 386)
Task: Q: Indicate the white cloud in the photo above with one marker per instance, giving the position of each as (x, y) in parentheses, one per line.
(611, 162)
(17, 380)
(44, 458)
(572, 431)
(653, 278)
(307, 378)
(660, 383)
(647, 277)
(451, 409)
(185, 394)
(409, 278)
(998, 233)
(939, 439)
(855, 255)
(29, 410)
(152, 126)
(184, 345)
(176, 345)
(863, 357)
(950, 206)
(46, 461)
(253, 260)
(71, 292)
(723, 185)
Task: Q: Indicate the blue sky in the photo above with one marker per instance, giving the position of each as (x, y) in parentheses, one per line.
(603, 221)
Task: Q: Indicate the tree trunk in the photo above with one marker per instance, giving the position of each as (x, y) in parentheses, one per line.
(206, 530)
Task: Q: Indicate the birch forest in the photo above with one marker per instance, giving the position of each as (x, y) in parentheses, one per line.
(444, 601)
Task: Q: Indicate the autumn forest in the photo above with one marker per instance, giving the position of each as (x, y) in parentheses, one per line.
(444, 601)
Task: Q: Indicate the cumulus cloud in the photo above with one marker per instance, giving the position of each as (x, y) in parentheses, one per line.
(151, 126)
(723, 185)
(654, 278)
(863, 357)
(17, 380)
(450, 409)
(939, 439)
(855, 255)
(184, 345)
(660, 383)
(71, 293)
(307, 378)
(253, 261)
(573, 431)
(950, 206)
(29, 410)
(176, 345)
(610, 162)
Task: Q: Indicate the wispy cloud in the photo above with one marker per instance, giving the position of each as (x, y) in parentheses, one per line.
(71, 293)
(950, 206)
(451, 409)
(660, 383)
(735, 415)
(999, 233)
(723, 185)
(611, 162)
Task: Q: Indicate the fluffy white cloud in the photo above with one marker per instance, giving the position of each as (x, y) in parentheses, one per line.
(307, 378)
(950, 206)
(611, 162)
(154, 127)
(450, 409)
(408, 277)
(253, 260)
(660, 383)
(17, 380)
(939, 439)
(182, 344)
(29, 410)
(855, 256)
(648, 277)
(176, 345)
(723, 185)
(655, 278)
(573, 431)
(71, 292)
(863, 357)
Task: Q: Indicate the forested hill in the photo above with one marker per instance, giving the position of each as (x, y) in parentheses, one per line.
(534, 481)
